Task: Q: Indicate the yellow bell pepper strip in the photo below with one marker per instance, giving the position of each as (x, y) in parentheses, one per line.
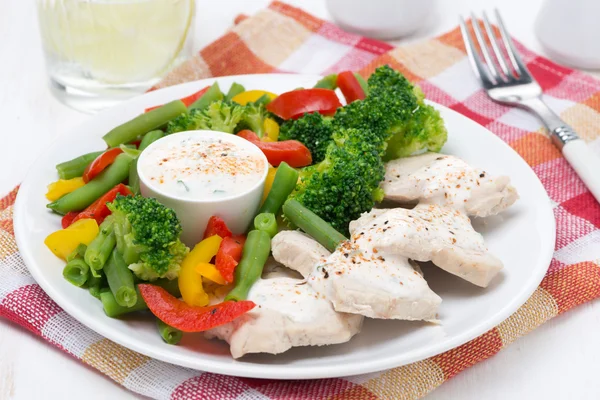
(190, 281)
(65, 241)
(209, 271)
(269, 182)
(271, 128)
(58, 189)
(250, 96)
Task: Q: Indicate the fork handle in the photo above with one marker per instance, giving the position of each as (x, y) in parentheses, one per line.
(581, 157)
(586, 163)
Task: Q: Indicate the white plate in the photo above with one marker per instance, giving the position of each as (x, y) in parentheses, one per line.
(523, 238)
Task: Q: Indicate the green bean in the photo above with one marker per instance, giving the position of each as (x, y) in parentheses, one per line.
(264, 100)
(150, 138)
(96, 283)
(82, 197)
(134, 178)
(212, 94)
(120, 280)
(144, 123)
(312, 224)
(76, 271)
(113, 309)
(363, 84)
(169, 334)
(234, 90)
(327, 82)
(75, 167)
(254, 256)
(101, 247)
(266, 222)
(79, 252)
(284, 182)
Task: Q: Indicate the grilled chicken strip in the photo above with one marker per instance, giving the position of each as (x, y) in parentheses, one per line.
(433, 233)
(298, 251)
(447, 181)
(289, 313)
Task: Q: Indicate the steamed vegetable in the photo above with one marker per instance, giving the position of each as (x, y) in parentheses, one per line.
(147, 235)
(234, 90)
(216, 226)
(254, 256)
(212, 94)
(114, 310)
(144, 123)
(312, 224)
(169, 334)
(98, 209)
(271, 128)
(266, 222)
(290, 151)
(120, 280)
(209, 271)
(229, 255)
(94, 189)
(63, 242)
(100, 249)
(327, 82)
(188, 318)
(412, 125)
(74, 168)
(313, 130)
(252, 96)
(77, 271)
(100, 163)
(283, 184)
(150, 138)
(222, 116)
(58, 189)
(346, 183)
(350, 87)
(190, 281)
(294, 104)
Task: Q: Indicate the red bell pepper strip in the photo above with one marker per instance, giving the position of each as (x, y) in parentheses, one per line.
(350, 87)
(216, 226)
(294, 104)
(187, 100)
(291, 151)
(100, 163)
(98, 210)
(186, 318)
(68, 218)
(229, 255)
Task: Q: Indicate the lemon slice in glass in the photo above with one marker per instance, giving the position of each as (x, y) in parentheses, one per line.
(117, 41)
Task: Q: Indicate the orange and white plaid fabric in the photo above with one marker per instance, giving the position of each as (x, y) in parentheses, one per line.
(286, 39)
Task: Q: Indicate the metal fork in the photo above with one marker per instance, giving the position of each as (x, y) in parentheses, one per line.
(513, 84)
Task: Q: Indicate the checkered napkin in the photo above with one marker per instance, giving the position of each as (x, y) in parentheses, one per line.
(285, 39)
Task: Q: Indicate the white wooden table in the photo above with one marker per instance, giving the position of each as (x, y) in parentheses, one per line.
(557, 361)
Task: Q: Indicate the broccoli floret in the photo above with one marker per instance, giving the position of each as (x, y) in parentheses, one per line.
(313, 130)
(147, 235)
(220, 116)
(346, 183)
(413, 126)
(253, 118)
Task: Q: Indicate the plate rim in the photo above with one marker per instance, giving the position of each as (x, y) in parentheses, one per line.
(278, 371)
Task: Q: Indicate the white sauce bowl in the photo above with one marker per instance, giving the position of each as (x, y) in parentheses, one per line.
(237, 208)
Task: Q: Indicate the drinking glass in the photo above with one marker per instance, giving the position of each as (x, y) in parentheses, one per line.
(100, 52)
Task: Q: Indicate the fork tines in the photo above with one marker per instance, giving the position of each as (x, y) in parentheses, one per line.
(488, 71)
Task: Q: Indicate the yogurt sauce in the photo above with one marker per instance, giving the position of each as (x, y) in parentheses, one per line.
(202, 168)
